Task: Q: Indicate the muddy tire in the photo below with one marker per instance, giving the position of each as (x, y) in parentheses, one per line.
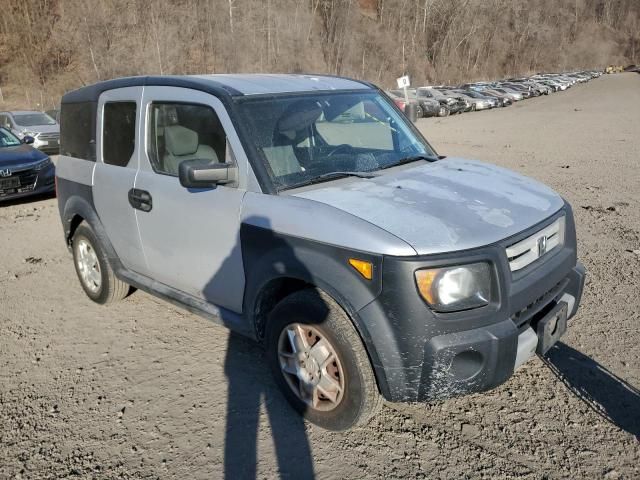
(96, 276)
(319, 361)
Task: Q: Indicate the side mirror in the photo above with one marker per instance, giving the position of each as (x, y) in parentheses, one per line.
(201, 173)
(28, 139)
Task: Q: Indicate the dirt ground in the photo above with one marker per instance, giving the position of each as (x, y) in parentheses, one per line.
(145, 390)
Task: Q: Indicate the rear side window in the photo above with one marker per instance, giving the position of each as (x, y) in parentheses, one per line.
(76, 130)
(118, 132)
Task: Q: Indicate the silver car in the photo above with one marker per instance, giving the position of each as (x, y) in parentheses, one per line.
(44, 129)
(309, 214)
(474, 103)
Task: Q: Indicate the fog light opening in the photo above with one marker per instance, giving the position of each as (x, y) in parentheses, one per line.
(466, 365)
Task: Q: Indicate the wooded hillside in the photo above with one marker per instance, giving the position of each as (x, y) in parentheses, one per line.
(50, 46)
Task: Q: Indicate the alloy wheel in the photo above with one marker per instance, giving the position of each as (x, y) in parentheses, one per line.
(311, 366)
(88, 265)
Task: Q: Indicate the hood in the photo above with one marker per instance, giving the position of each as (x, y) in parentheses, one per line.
(19, 155)
(448, 205)
(41, 128)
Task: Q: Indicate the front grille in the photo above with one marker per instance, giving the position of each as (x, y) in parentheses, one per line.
(49, 136)
(527, 251)
(27, 180)
(27, 177)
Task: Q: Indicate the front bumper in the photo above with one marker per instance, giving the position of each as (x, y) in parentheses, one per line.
(48, 144)
(32, 182)
(419, 355)
(480, 359)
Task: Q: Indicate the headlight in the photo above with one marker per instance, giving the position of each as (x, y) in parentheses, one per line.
(45, 163)
(29, 134)
(450, 289)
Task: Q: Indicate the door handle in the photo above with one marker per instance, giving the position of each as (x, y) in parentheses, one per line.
(140, 199)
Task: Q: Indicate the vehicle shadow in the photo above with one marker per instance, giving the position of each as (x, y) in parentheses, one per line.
(605, 393)
(251, 386)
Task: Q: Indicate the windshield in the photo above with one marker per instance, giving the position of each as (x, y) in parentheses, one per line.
(33, 119)
(430, 93)
(8, 139)
(312, 137)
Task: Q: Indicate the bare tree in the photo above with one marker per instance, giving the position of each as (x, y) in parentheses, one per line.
(50, 46)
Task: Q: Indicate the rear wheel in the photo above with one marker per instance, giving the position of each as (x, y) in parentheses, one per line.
(319, 361)
(94, 271)
(419, 111)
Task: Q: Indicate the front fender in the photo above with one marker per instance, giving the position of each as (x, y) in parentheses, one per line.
(269, 256)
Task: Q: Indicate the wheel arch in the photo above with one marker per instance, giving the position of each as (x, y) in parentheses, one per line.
(281, 266)
(78, 210)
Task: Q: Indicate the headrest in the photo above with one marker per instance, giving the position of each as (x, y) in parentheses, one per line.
(299, 116)
(180, 140)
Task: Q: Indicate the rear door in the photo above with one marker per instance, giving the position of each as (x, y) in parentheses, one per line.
(191, 237)
(117, 152)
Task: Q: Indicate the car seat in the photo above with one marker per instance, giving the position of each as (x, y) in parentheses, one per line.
(182, 144)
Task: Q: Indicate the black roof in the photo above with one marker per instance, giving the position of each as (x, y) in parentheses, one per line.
(223, 85)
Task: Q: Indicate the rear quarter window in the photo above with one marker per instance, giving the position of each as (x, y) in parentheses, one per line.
(119, 132)
(77, 137)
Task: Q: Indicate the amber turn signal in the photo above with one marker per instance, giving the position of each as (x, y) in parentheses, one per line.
(364, 268)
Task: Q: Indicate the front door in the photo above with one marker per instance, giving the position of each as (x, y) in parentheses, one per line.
(191, 237)
(117, 162)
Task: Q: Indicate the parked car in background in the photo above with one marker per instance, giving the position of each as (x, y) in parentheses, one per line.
(512, 94)
(492, 101)
(525, 91)
(454, 104)
(474, 103)
(535, 88)
(503, 99)
(44, 129)
(430, 107)
(24, 170)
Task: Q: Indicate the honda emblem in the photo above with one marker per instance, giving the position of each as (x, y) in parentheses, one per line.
(5, 173)
(542, 245)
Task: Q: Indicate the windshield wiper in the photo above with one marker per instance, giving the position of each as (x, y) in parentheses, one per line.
(329, 176)
(413, 158)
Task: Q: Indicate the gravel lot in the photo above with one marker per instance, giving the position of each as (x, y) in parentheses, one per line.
(141, 389)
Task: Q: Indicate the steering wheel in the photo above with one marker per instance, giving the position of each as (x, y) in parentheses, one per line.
(342, 146)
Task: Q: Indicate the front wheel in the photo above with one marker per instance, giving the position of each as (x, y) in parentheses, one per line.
(443, 111)
(319, 361)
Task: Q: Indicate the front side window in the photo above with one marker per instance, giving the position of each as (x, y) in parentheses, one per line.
(33, 119)
(179, 132)
(8, 139)
(303, 138)
(118, 133)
